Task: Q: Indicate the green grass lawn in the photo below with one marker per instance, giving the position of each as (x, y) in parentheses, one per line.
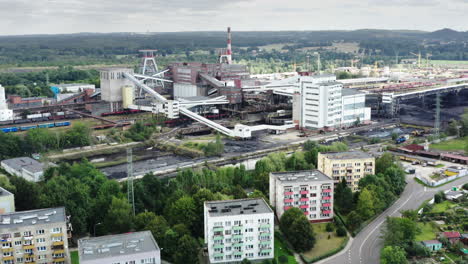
(323, 244)
(442, 207)
(428, 232)
(281, 250)
(448, 145)
(74, 257)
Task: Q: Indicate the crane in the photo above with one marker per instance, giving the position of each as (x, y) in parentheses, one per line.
(419, 58)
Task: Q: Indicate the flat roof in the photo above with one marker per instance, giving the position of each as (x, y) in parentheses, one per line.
(71, 84)
(347, 155)
(348, 91)
(115, 245)
(301, 176)
(33, 217)
(247, 206)
(27, 163)
(4, 192)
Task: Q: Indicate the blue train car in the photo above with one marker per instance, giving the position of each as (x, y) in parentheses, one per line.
(60, 124)
(9, 129)
(48, 125)
(25, 128)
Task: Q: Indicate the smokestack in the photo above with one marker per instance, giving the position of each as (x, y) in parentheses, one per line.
(3, 104)
(229, 48)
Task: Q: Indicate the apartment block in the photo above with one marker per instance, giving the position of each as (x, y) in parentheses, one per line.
(36, 236)
(311, 191)
(239, 229)
(351, 166)
(7, 201)
(129, 248)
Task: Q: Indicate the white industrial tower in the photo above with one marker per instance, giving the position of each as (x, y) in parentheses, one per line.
(5, 113)
(149, 68)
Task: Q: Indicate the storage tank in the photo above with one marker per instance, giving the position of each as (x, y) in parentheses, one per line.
(127, 96)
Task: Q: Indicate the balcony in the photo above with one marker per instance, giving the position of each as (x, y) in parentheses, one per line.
(218, 229)
(326, 204)
(304, 192)
(304, 206)
(306, 213)
(62, 259)
(326, 212)
(326, 190)
(304, 199)
(216, 246)
(326, 197)
(288, 193)
(57, 234)
(28, 237)
(57, 243)
(28, 246)
(8, 258)
(288, 200)
(237, 228)
(287, 208)
(60, 251)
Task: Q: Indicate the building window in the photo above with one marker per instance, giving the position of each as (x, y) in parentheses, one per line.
(40, 240)
(56, 230)
(40, 231)
(18, 243)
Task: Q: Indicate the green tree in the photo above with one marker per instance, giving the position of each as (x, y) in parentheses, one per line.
(385, 161)
(158, 227)
(365, 205)
(344, 197)
(183, 211)
(393, 255)
(187, 251)
(399, 231)
(396, 176)
(410, 214)
(297, 229)
(142, 220)
(452, 129)
(119, 217)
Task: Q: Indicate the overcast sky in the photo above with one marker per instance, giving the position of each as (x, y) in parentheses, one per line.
(71, 16)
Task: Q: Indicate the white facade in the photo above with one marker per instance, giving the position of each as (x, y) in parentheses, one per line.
(5, 113)
(25, 167)
(112, 82)
(353, 108)
(75, 87)
(7, 201)
(239, 229)
(310, 191)
(320, 102)
(323, 103)
(185, 90)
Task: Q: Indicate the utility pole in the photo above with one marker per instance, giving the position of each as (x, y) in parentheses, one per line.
(437, 116)
(131, 195)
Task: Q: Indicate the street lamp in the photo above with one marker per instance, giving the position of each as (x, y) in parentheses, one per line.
(95, 228)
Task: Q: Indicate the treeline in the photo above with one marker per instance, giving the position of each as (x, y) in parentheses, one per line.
(376, 193)
(41, 140)
(28, 84)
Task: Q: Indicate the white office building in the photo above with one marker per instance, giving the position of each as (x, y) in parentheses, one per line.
(129, 248)
(239, 229)
(311, 191)
(5, 113)
(323, 103)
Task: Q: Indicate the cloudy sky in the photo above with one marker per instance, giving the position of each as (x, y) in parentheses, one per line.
(70, 16)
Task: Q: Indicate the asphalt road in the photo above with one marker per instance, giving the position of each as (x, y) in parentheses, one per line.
(365, 247)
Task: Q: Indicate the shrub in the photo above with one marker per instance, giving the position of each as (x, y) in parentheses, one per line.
(329, 227)
(340, 231)
(283, 259)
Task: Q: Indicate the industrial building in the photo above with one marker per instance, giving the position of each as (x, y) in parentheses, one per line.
(5, 113)
(239, 229)
(24, 167)
(137, 248)
(7, 201)
(72, 87)
(351, 166)
(36, 236)
(310, 191)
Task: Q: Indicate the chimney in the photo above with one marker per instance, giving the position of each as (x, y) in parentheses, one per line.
(229, 48)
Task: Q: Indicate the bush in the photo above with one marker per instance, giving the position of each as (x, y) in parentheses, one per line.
(283, 259)
(340, 231)
(330, 227)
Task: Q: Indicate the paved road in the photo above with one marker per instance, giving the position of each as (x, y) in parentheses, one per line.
(365, 247)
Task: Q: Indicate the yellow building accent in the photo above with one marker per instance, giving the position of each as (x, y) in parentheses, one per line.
(57, 235)
(28, 246)
(59, 260)
(8, 258)
(7, 249)
(450, 173)
(60, 251)
(57, 243)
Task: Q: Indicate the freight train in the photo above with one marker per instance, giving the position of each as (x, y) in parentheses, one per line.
(40, 118)
(26, 128)
(123, 112)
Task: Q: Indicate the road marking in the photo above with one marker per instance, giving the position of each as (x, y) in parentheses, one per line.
(375, 228)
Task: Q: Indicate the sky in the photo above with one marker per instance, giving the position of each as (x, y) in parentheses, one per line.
(18, 17)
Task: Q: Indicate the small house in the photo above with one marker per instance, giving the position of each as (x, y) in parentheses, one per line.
(453, 237)
(432, 245)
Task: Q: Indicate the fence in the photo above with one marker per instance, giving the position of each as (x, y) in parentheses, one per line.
(440, 182)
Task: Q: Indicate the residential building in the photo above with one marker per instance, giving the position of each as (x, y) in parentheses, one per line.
(311, 191)
(351, 166)
(322, 103)
(36, 236)
(7, 201)
(239, 229)
(453, 237)
(432, 245)
(129, 248)
(25, 167)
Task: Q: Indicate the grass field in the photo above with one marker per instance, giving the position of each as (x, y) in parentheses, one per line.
(74, 257)
(450, 145)
(451, 62)
(323, 244)
(442, 207)
(428, 232)
(280, 250)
